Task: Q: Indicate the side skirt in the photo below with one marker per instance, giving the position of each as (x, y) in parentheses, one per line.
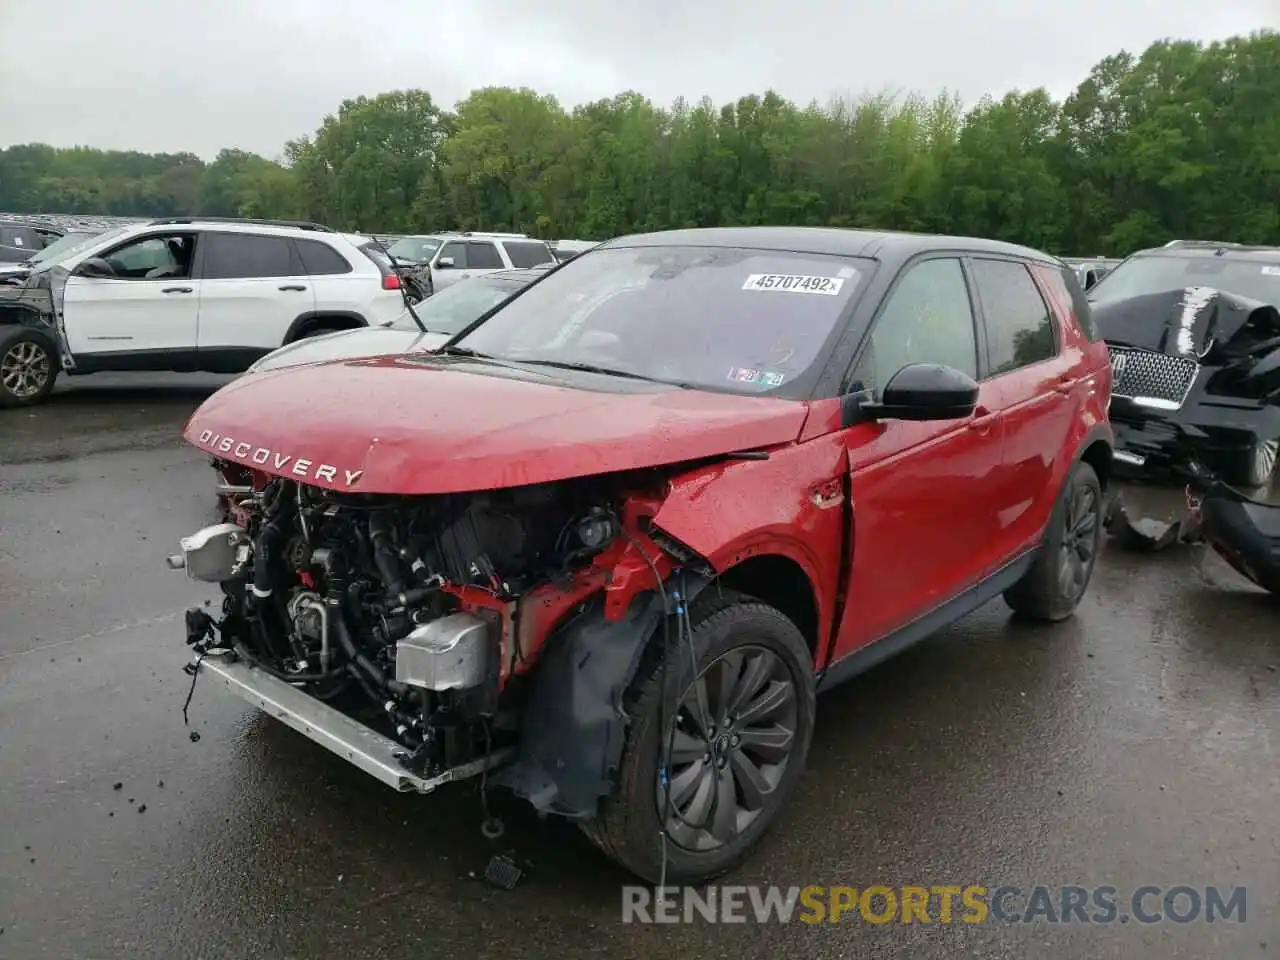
(941, 616)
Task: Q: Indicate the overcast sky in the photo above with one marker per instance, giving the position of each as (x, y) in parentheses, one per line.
(202, 74)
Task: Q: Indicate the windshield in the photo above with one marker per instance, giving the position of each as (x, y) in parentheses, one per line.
(416, 249)
(64, 246)
(1161, 274)
(457, 306)
(724, 318)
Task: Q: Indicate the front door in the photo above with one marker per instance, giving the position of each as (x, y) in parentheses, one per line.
(450, 264)
(922, 493)
(147, 311)
(254, 287)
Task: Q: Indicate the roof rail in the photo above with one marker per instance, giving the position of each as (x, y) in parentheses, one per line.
(491, 233)
(297, 224)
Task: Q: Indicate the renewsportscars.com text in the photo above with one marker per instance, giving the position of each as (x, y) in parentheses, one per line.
(970, 904)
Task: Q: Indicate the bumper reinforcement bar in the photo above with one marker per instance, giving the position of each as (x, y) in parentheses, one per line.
(356, 743)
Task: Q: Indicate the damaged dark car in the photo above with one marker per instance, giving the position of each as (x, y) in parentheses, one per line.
(1194, 335)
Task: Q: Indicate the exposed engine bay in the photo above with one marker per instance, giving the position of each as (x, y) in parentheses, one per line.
(405, 612)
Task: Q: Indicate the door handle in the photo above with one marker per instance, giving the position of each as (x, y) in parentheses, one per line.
(294, 286)
(982, 419)
(1066, 383)
(176, 290)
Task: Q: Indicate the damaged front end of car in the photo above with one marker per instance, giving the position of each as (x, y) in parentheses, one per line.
(1196, 374)
(401, 632)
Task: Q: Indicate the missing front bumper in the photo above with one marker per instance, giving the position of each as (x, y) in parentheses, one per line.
(370, 751)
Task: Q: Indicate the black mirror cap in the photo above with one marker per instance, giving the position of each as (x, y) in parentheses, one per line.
(95, 267)
(925, 391)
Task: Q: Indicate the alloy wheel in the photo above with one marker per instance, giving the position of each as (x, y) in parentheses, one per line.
(733, 736)
(1079, 547)
(1264, 460)
(25, 369)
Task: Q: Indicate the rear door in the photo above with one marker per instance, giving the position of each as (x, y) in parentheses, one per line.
(253, 287)
(924, 494)
(1031, 380)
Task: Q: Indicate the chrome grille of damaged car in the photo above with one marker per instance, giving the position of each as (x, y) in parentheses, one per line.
(1152, 379)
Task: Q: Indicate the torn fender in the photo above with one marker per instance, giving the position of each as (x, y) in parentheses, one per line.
(792, 505)
(574, 722)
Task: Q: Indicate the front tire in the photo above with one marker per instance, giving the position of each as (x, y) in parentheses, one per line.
(28, 368)
(725, 784)
(1255, 466)
(1054, 586)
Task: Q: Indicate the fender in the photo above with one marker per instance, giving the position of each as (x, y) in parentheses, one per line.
(302, 319)
(574, 720)
(792, 505)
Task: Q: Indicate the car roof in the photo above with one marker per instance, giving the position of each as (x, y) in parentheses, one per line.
(1198, 249)
(880, 244)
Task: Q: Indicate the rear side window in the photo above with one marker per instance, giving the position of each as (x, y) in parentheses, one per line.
(239, 256)
(483, 255)
(528, 253)
(1018, 323)
(320, 259)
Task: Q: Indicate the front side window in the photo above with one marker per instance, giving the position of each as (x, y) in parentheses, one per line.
(154, 258)
(240, 256)
(458, 305)
(455, 252)
(730, 319)
(1158, 273)
(1019, 329)
(483, 255)
(928, 318)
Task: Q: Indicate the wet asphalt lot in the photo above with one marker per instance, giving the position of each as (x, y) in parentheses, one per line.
(1136, 743)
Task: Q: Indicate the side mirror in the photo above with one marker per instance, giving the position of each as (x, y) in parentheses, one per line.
(924, 391)
(444, 263)
(95, 268)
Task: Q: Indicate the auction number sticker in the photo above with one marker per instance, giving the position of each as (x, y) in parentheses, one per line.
(1271, 271)
(794, 283)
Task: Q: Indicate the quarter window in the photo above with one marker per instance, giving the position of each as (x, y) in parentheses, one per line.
(1019, 329)
(528, 253)
(320, 259)
(928, 319)
(238, 256)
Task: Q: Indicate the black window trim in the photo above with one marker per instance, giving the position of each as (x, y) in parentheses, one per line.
(975, 295)
(294, 255)
(197, 255)
(979, 332)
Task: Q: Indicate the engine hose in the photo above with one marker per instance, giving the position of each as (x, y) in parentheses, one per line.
(374, 673)
(264, 548)
(385, 555)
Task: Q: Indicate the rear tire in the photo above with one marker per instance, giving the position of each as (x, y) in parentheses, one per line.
(28, 367)
(746, 769)
(1054, 586)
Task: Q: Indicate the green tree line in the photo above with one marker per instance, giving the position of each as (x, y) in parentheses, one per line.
(1182, 140)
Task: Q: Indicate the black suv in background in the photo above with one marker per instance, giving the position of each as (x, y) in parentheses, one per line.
(1194, 335)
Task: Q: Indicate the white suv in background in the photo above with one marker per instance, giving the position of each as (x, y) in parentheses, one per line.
(189, 294)
(463, 255)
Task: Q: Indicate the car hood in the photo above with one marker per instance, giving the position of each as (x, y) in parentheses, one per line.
(1187, 322)
(350, 344)
(418, 426)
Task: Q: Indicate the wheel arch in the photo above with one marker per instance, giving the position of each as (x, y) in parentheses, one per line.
(310, 319)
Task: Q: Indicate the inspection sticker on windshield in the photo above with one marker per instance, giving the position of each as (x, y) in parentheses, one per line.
(766, 378)
(794, 283)
(1271, 271)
